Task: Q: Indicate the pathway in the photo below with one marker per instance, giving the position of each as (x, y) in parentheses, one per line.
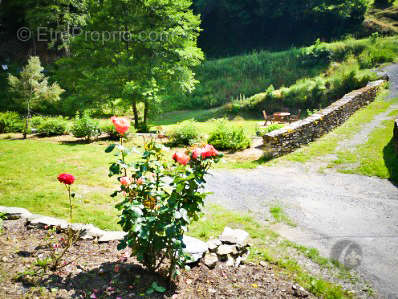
(327, 208)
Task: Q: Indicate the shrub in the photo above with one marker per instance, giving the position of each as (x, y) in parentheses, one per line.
(319, 53)
(185, 133)
(159, 202)
(109, 129)
(263, 131)
(52, 127)
(228, 137)
(85, 127)
(36, 121)
(10, 122)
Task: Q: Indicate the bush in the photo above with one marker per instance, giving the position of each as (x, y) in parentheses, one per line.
(263, 131)
(160, 200)
(52, 127)
(10, 122)
(85, 127)
(228, 137)
(109, 129)
(186, 133)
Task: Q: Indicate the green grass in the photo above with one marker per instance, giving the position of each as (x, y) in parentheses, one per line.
(28, 171)
(377, 157)
(280, 216)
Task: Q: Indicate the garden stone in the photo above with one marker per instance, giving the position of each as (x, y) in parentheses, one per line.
(230, 261)
(245, 255)
(14, 213)
(237, 262)
(44, 221)
(195, 248)
(211, 260)
(213, 244)
(111, 236)
(226, 249)
(234, 236)
(94, 232)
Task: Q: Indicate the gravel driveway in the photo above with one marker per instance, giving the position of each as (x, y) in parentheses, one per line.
(327, 208)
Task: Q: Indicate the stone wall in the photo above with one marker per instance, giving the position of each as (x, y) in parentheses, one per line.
(396, 135)
(294, 135)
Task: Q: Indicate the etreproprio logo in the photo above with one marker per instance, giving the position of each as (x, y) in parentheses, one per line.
(348, 253)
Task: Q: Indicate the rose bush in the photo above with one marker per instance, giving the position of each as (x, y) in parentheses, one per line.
(160, 199)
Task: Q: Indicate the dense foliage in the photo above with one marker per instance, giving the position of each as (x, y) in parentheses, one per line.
(85, 127)
(231, 26)
(228, 137)
(52, 127)
(10, 122)
(185, 133)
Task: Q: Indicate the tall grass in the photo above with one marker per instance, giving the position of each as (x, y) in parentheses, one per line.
(225, 80)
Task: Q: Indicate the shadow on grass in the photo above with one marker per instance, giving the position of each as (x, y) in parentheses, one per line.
(391, 161)
(129, 281)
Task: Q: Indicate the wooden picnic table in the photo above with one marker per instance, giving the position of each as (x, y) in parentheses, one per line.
(281, 116)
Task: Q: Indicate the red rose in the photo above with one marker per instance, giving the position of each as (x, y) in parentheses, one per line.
(181, 158)
(197, 152)
(209, 151)
(122, 124)
(67, 179)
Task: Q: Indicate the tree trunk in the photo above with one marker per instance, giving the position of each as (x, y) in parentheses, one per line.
(146, 111)
(25, 133)
(135, 111)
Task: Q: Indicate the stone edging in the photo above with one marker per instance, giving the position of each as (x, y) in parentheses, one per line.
(231, 248)
(291, 137)
(89, 231)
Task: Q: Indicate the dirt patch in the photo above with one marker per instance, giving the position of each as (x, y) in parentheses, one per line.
(102, 270)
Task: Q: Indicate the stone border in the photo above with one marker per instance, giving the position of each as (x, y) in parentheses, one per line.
(293, 136)
(231, 248)
(89, 231)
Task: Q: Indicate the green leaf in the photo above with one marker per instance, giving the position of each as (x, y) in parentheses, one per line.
(110, 148)
(158, 288)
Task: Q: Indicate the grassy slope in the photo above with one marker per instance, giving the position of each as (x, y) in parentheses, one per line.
(222, 80)
(383, 20)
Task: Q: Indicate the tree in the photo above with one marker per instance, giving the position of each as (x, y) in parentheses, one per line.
(136, 50)
(33, 86)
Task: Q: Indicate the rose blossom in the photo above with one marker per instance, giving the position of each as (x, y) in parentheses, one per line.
(125, 181)
(197, 152)
(181, 158)
(122, 124)
(67, 179)
(209, 151)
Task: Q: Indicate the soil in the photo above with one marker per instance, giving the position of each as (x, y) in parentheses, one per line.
(101, 271)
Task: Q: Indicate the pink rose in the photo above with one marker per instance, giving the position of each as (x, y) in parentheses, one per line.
(209, 151)
(125, 181)
(122, 124)
(181, 158)
(196, 153)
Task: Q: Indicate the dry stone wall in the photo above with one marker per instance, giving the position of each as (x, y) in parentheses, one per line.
(291, 137)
